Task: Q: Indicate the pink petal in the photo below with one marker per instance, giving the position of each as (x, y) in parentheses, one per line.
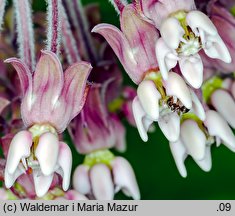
(141, 36)
(23, 73)
(124, 178)
(122, 49)
(47, 86)
(92, 129)
(75, 86)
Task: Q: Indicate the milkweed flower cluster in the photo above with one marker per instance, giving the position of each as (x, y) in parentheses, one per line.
(179, 53)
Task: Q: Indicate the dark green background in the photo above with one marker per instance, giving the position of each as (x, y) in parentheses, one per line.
(154, 166)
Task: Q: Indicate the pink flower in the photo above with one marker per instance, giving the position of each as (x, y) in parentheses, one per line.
(104, 180)
(134, 44)
(96, 128)
(51, 99)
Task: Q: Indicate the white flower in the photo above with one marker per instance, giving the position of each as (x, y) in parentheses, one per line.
(183, 35)
(40, 152)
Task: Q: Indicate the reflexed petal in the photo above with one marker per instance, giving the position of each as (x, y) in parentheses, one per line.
(47, 152)
(175, 86)
(198, 20)
(65, 163)
(124, 177)
(197, 106)
(101, 181)
(42, 183)
(141, 36)
(74, 86)
(140, 117)
(194, 139)
(166, 57)
(192, 70)
(225, 105)
(179, 154)
(81, 181)
(172, 32)
(206, 163)
(9, 179)
(122, 49)
(217, 49)
(170, 126)
(217, 126)
(19, 149)
(149, 98)
(23, 73)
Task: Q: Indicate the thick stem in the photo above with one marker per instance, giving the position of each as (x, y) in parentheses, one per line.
(68, 40)
(118, 5)
(25, 36)
(80, 23)
(54, 25)
(2, 11)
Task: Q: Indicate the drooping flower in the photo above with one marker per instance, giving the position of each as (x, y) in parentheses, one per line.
(102, 175)
(184, 32)
(50, 101)
(96, 128)
(157, 99)
(197, 136)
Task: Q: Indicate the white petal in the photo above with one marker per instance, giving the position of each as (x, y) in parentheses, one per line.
(124, 177)
(217, 49)
(225, 105)
(170, 126)
(167, 58)
(81, 181)
(9, 179)
(101, 181)
(217, 126)
(192, 70)
(149, 98)
(42, 183)
(140, 119)
(65, 163)
(197, 106)
(194, 139)
(206, 163)
(47, 152)
(198, 20)
(179, 154)
(172, 32)
(175, 86)
(19, 148)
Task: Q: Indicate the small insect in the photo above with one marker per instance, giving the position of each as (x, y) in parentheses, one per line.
(176, 106)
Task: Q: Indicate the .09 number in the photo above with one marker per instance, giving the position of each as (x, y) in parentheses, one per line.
(225, 207)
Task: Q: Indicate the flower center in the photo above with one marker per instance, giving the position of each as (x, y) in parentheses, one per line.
(190, 43)
(36, 130)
